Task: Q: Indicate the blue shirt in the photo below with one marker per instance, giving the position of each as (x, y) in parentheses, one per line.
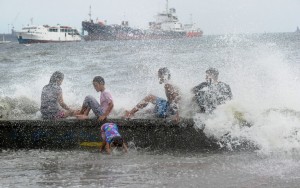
(109, 131)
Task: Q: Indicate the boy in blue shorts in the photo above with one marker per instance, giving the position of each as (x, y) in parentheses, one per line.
(163, 108)
(111, 137)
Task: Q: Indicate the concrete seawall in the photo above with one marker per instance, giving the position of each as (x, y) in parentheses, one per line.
(63, 134)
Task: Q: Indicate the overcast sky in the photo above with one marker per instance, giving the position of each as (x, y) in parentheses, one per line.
(212, 16)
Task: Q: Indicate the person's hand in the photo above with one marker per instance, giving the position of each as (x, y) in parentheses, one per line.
(82, 117)
(76, 112)
(176, 119)
(72, 112)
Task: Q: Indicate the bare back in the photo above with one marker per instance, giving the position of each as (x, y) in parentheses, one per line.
(172, 93)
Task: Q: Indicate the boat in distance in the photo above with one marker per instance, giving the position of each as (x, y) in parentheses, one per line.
(46, 34)
(4, 41)
(165, 26)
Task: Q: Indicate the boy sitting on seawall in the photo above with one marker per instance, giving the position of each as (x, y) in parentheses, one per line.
(111, 137)
(163, 108)
(101, 110)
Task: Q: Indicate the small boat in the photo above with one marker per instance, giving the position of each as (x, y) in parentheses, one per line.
(46, 34)
(4, 41)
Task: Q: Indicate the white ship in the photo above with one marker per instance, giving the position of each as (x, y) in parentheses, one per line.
(168, 23)
(45, 34)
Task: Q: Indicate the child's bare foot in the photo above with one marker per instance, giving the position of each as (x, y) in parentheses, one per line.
(82, 117)
(77, 112)
(127, 115)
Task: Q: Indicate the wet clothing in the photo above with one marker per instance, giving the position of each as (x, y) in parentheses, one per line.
(93, 104)
(105, 99)
(109, 131)
(163, 108)
(50, 107)
(98, 109)
(209, 96)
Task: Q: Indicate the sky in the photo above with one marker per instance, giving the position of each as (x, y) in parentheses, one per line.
(212, 16)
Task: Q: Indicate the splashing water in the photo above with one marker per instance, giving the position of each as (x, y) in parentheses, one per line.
(264, 80)
(262, 71)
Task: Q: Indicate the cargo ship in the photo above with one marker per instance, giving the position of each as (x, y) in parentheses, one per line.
(166, 26)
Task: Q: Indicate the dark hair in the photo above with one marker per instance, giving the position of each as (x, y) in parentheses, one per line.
(117, 141)
(56, 76)
(213, 71)
(99, 80)
(164, 71)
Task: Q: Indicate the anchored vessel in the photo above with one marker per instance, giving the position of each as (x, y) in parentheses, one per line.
(45, 33)
(165, 26)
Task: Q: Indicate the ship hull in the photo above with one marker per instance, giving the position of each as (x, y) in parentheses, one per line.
(107, 32)
(32, 41)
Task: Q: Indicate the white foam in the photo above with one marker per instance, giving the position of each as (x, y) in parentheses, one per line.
(261, 79)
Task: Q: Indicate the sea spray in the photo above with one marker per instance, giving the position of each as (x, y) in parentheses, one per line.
(265, 90)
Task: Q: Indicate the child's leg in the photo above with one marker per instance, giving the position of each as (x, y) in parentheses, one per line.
(125, 149)
(142, 104)
(88, 104)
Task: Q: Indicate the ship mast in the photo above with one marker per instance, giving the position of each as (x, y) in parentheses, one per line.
(90, 13)
(167, 7)
(191, 19)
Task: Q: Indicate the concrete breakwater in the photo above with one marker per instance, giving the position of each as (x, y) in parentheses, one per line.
(64, 134)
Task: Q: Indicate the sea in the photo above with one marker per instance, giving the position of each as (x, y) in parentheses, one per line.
(263, 71)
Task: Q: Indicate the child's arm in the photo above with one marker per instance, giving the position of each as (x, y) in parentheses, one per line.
(103, 146)
(107, 147)
(103, 136)
(62, 103)
(110, 107)
(174, 100)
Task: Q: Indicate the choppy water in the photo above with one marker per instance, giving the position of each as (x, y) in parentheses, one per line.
(262, 70)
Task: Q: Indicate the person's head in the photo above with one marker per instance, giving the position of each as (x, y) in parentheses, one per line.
(164, 75)
(117, 142)
(212, 74)
(99, 83)
(56, 78)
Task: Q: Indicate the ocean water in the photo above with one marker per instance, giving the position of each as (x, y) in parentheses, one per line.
(262, 69)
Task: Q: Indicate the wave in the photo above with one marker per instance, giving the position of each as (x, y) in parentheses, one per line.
(273, 130)
(16, 108)
(6, 60)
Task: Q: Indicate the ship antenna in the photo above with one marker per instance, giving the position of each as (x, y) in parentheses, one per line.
(90, 13)
(167, 6)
